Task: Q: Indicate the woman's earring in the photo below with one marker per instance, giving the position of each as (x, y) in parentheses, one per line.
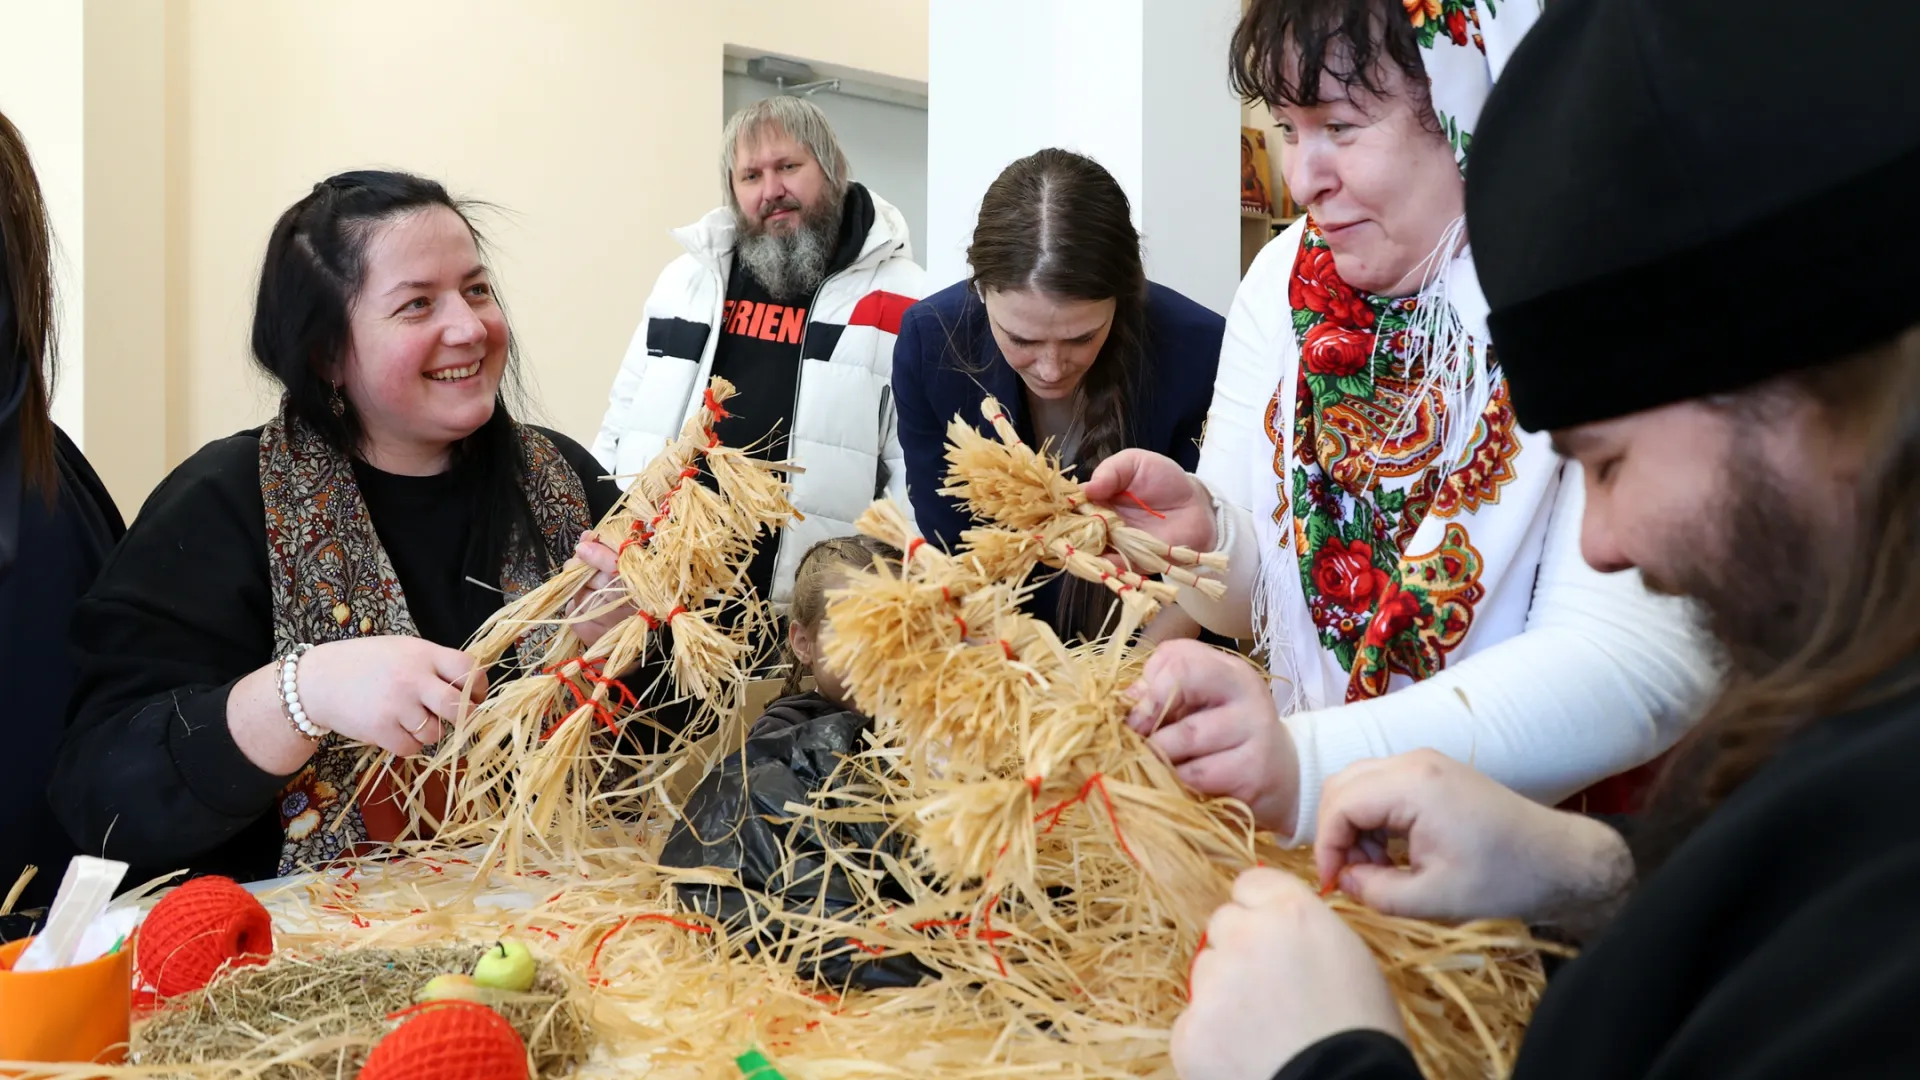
(338, 403)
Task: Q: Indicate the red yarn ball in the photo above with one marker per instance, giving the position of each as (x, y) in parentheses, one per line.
(198, 928)
(449, 1040)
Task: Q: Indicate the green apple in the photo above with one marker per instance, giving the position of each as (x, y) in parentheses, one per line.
(453, 988)
(507, 966)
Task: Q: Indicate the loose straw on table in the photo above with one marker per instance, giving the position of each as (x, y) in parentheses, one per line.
(1058, 879)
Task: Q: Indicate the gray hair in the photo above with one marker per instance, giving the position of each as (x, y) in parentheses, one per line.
(796, 117)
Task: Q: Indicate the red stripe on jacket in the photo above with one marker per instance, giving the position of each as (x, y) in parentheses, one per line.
(882, 309)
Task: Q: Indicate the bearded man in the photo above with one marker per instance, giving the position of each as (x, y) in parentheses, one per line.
(793, 292)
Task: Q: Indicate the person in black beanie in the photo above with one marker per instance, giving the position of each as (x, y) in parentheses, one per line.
(57, 524)
(1727, 338)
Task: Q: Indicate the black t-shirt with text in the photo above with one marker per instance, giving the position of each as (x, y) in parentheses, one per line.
(759, 352)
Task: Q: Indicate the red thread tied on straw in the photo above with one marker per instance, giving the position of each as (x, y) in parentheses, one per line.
(1137, 501)
(989, 935)
(1195, 962)
(1096, 782)
(593, 671)
(929, 924)
(593, 965)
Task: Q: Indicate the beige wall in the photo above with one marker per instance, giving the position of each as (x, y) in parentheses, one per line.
(593, 123)
(127, 288)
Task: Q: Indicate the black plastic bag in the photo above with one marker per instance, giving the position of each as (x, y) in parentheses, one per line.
(737, 819)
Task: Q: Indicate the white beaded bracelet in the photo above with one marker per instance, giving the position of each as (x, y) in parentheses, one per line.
(290, 695)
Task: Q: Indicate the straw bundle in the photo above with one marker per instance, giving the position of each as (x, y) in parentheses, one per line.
(545, 758)
(1047, 819)
(1041, 515)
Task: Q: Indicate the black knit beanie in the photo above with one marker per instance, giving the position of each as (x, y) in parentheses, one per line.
(1675, 198)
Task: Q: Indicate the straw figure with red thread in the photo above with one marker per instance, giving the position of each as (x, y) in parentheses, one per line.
(448, 1040)
(196, 931)
(1065, 870)
(541, 761)
(1035, 513)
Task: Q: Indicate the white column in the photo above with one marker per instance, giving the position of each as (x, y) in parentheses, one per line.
(1139, 85)
(42, 75)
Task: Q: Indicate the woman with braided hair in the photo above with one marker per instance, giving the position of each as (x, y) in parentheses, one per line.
(1061, 325)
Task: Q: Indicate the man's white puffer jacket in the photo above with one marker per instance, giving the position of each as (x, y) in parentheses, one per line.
(843, 431)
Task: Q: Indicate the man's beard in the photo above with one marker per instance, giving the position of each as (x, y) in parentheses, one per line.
(1759, 577)
(789, 265)
(1759, 584)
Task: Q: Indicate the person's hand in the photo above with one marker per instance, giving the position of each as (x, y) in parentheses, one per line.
(1213, 716)
(397, 693)
(1280, 973)
(1181, 509)
(602, 590)
(1476, 849)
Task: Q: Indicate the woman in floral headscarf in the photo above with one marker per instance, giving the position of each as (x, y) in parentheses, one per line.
(1407, 557)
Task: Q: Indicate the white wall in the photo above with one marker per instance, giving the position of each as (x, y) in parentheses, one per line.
(1190, 165)
(886, 145)
(42, 75)
(996, 92)
(1139, 85)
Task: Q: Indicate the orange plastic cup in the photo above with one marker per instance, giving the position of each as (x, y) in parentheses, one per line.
(79, 1013)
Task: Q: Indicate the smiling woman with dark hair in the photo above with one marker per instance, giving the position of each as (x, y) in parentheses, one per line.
(293, 594)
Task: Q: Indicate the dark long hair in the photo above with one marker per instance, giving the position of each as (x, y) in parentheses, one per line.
(1057, 223)
(27, 334)
(302, 331)
(1863, 644)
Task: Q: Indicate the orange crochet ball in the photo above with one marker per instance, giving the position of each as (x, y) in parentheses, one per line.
(449, 1040)
(196, 929)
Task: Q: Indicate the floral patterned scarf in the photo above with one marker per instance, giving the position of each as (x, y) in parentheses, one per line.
(331, 581)
(1413, 507)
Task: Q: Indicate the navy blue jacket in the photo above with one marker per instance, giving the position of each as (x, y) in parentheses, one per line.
(944, 340)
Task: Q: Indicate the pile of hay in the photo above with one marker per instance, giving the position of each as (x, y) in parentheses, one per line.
(318, 1014)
